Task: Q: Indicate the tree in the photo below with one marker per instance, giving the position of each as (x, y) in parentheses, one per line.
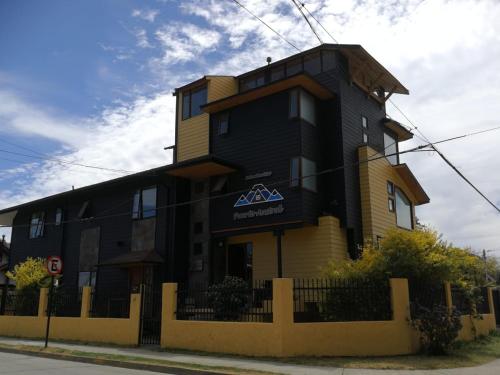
(31, 273)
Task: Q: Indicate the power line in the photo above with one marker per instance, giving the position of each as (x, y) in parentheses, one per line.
(319, 23)
(305, 17)
(264, 23)
(272, 184)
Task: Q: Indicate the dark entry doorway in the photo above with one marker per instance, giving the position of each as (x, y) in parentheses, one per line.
(496, 304)
(239, 260)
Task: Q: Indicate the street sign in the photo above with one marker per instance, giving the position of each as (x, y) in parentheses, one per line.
(54, 265)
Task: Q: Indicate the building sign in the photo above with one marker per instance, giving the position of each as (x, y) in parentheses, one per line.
(256, 176)
(257, 195)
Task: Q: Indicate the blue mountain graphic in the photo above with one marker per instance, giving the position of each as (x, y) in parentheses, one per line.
(275, 196)
(258, 194)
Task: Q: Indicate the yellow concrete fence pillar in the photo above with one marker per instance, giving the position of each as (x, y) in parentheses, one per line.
(491, 303)
(168, 308)
(448, 297)
(86, 296)
(43, 302)
(135, 314)
(282, 313)
(400, 298)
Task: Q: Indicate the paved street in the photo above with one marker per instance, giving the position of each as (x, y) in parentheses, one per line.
(24, 364)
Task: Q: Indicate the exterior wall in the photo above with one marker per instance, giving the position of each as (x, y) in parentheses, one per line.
(373, 178)
(305, 251)
(193, 133)
(103, 330)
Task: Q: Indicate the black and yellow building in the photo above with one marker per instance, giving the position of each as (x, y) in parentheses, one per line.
(270, 178)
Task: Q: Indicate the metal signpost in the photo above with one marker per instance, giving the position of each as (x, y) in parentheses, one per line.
(54, 267)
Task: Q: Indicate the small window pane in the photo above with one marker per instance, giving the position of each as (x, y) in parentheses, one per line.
(403, 211)
(277, 73)
(136, 205)
(293, 67)
(247, 84)
(328, 60)
(294, 104)
(365, 137)
(59, 216)
(149, 203)
(364, 122)
(37, 224)
(259, 80)
(185, 105)
(223, 123)
(312, 63)
(307, 107)
(391, 205)
(391, 149)
(86, 279)
(294, 172)
(390, 188)
(309, 177)
(198, 98)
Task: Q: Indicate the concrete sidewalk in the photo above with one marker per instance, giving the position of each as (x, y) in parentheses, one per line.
(492, 368)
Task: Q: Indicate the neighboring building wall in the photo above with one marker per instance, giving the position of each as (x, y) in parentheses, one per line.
(374, 197)
(193, 133)
(305, 251)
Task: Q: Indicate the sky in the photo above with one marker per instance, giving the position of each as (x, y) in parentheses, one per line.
(91, 82)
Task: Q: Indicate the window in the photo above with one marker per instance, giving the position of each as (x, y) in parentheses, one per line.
(252, 81)
(403, 211)
(84, 210)
(303, 173)
(222, 121)
(364, 122)
(293, 67)
(198, 227)
(37, 224)
(192, 100)
(390, 188)
(277, 73)
(198, 248)
(220, 185)
(365, 137)
(312, 63)
(59, 216)
(391, 204)
(144, 203)
(303, 105)
(391, 149)
(86, 278)
(328, 58)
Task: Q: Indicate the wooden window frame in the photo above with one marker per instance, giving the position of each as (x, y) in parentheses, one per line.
(189, 92)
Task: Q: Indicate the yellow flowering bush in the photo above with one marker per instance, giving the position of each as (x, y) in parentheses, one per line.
(30, 273)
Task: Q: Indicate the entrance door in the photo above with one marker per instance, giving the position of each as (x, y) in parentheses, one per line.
(239, 260)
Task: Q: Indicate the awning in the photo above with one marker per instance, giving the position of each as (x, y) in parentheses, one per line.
(134, 259)
(401, 131)
(412, 183)
(302, 80)
(7, 218)
(202, 167)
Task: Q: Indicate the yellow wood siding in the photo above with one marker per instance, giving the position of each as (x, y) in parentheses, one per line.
(305, 251)
(193, 133)
(373, 178)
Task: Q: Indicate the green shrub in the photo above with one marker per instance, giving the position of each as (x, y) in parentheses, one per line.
(229, 298)
(438, 328)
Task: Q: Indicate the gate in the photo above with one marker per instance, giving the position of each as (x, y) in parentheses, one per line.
(496, 303)
(150, 316)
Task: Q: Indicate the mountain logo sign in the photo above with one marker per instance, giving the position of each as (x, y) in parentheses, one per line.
(258, 194)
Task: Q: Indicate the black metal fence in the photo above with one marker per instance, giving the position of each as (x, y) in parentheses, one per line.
(460, 300)
(109, 303)
(151, 313)
(66, 302)
(426, 295)
(252, 303)
(20, 302)
(332, 300)
(483, 305)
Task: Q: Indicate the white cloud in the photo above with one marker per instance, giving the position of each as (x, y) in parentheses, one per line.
(145, 14)
(142, 38)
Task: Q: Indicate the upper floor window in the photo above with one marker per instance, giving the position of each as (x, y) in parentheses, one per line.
(222, 123)
(192, 100)
(252, 81)
(391, 149)
(303, 173)
(404, 216)
(364, 128)
(277, 73)
(144, 203)
(59, 216)
(303, 105)
(37, 224)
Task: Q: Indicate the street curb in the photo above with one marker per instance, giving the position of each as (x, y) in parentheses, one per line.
(113, 363)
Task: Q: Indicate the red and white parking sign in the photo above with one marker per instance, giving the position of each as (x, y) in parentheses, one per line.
(54, 265)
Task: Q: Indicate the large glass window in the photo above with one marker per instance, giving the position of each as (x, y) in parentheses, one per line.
(293, 67)
(277, 73)
(303, 173)
(303, 105)
(391, 149)
(222, 123)
(59, 216)
(144, 203)
(404, 215)
(252, 81)
(37, 224)
(312, 63)
(192, 100)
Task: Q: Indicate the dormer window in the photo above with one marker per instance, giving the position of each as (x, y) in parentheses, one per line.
(192, 100)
